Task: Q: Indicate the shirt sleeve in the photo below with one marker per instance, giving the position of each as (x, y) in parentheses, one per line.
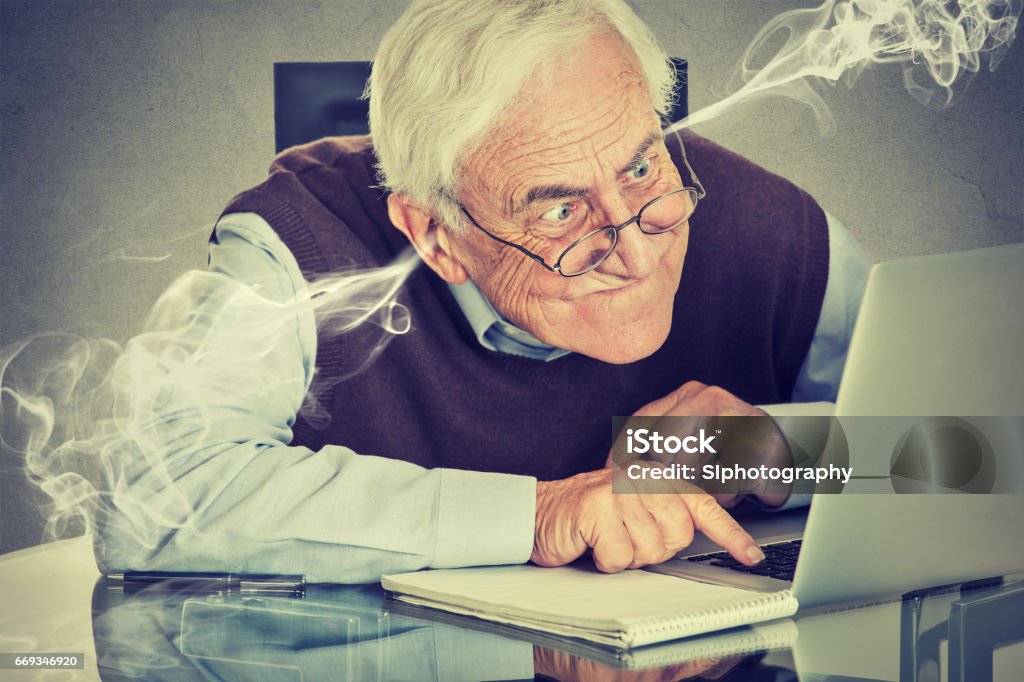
(213, 483)
(848, 268)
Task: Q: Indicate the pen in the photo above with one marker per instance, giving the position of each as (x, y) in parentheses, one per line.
(261, 584)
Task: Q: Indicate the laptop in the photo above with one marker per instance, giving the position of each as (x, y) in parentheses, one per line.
(936, 336)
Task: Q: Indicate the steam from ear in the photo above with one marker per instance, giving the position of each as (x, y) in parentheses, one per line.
(941, 44)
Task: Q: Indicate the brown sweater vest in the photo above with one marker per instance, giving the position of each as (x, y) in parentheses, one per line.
(744, 316)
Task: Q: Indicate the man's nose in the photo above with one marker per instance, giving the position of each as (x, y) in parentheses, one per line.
(636, 254)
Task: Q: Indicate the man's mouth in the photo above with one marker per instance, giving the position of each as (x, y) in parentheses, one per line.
(619, 287)
(622, 288)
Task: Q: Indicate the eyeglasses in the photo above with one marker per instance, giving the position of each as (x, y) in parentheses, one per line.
(660, 215)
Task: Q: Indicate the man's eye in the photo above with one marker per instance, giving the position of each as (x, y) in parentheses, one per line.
(559, 213)
(640, 171)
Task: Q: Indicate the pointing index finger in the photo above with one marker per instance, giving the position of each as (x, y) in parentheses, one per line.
(710, 518)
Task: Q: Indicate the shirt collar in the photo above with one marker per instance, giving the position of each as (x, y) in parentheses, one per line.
(494, 332)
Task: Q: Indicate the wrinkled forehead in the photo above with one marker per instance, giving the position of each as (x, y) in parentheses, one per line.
(591, 110)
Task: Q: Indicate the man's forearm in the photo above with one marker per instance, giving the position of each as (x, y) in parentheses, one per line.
(332, 515)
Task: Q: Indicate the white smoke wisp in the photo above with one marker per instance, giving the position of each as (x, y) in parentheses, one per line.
(941, 44)
(370, 309)
(116, 430)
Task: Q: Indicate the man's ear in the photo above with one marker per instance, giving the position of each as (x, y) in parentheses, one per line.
(425, 233)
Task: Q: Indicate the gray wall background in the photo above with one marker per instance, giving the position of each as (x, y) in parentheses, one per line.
(127, 125)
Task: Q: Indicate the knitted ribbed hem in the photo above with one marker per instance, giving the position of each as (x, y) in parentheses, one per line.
(286, 222)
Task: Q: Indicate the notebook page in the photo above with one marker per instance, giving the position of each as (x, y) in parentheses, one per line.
(630, 602)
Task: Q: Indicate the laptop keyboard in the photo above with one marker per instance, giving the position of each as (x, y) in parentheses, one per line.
(780, 561)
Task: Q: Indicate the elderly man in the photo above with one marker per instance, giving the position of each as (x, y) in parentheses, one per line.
(580, 265)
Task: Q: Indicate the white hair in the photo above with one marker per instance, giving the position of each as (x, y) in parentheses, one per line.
(447, 71)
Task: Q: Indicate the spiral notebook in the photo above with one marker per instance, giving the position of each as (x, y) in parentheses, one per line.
(621, 610)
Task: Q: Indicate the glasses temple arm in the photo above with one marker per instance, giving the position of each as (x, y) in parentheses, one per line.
(515, 246)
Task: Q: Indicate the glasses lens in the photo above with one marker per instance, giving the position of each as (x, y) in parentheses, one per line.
(588, 253)
(668, 212)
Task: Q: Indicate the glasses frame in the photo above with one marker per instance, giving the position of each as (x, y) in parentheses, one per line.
(557, 267)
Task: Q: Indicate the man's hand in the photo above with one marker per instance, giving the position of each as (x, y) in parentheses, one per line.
(628, 530)
(695, 399)
(632, 530)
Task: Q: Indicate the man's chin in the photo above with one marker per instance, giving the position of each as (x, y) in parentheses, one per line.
(629, 346)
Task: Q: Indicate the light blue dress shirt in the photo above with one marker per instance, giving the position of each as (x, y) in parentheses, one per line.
(344, 516)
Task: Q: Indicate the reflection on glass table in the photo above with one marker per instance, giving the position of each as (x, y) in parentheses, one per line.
(357, 633)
